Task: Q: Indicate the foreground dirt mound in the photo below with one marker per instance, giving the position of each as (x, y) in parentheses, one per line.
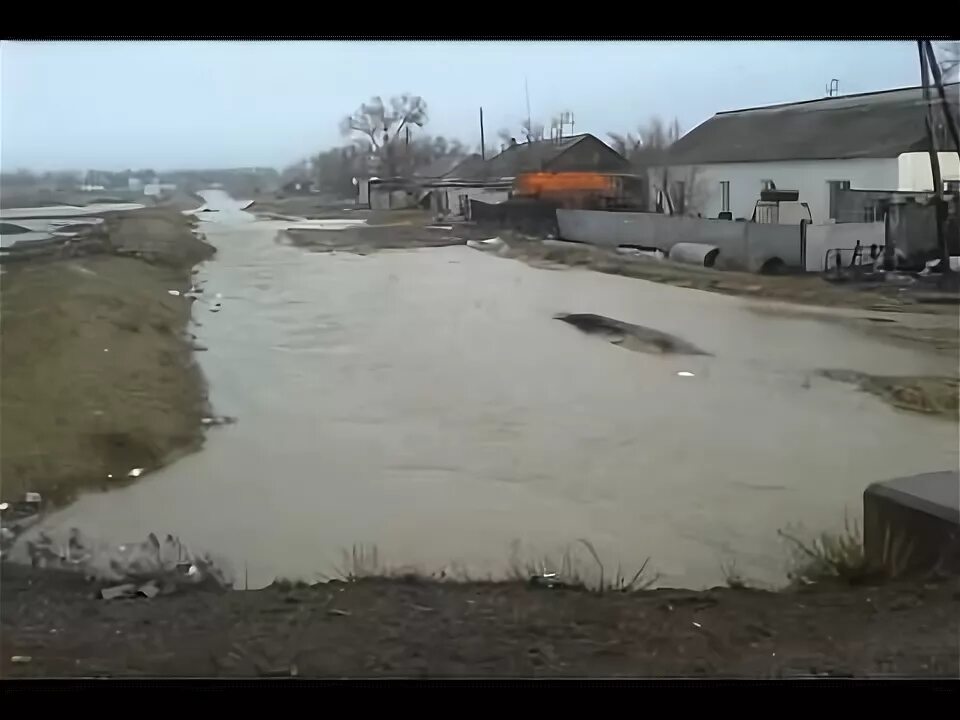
(97, 376)
(398, 628)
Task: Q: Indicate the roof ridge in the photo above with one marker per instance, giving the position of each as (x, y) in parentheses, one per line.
(829, 99)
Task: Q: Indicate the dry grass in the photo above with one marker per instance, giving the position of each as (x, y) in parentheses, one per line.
(731, 577)
(572, 571)
(841, 557)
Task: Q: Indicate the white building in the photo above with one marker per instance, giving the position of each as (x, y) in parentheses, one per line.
(870, 141)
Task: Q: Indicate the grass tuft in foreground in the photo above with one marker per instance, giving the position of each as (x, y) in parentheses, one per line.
(841, 557)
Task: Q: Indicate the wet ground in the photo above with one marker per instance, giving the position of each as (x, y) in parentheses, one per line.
(427, 402)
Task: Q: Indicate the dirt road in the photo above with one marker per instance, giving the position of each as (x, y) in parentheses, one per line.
(399, 628)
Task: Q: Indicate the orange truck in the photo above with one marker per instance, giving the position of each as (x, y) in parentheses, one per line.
(562, 183)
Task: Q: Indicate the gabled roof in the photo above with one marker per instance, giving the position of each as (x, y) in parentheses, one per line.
(869, 125)
(469, 168)
(526, 157)
(442, 166)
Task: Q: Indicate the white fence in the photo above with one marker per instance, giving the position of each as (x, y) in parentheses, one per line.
(742, 245)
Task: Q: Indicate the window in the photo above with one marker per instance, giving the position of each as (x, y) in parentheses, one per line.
(835, 187)
(724, 196)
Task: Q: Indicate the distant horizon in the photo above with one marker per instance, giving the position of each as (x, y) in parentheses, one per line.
(189, 106)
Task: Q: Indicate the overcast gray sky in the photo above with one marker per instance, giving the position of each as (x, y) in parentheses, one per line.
(166, 105)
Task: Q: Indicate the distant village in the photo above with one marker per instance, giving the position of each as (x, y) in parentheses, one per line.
(842, 183)
(828, 183)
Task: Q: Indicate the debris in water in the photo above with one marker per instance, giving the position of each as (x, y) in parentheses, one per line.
(216, 308)
(685, 373)
(218, 420)
(32, 497)
(20, 659)
(118, 591)
(4, 506)
(106, 349)
(136, 472)
(150, 590)
(175, 293)
(338, 613)
(696, 624)
(630, 336)
(489, 244)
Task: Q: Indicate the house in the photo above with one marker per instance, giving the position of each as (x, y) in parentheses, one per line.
(493, 181)
(868, 141)
(460, 181)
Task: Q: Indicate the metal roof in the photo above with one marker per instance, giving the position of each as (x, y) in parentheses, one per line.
(525, 157)
(442, 166)
(869, 125)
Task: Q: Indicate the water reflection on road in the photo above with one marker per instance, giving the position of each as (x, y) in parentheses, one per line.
(427, 402)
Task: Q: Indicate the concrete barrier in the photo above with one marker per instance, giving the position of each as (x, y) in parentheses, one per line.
(742, 245)
(695, 254)
(913, 523)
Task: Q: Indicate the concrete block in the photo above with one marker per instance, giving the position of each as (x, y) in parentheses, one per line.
(913, 523)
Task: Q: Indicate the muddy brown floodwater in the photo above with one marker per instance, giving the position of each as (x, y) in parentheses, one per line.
(427, 402)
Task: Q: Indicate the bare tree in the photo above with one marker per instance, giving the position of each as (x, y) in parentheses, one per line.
(648, 151)
(376, 126)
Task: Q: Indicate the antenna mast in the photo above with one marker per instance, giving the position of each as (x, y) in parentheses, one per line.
(526, 88)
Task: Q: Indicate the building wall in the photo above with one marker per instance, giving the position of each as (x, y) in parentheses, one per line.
(915, 173)
(809, 177)
(490, 196)
(843, 236)
(385, 198)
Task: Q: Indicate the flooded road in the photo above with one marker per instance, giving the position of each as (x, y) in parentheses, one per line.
(427, 402)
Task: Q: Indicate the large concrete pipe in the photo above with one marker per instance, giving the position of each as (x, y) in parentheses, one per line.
(695, 254)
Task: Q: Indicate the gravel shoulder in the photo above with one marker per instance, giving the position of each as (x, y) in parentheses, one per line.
(400, 627)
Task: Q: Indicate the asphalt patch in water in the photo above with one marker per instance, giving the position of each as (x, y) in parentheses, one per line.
(632, 337)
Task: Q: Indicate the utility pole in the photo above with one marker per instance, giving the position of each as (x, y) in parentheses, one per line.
(939, 206)
(483, 145)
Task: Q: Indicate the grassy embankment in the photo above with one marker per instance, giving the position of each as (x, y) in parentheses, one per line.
(96, 372)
